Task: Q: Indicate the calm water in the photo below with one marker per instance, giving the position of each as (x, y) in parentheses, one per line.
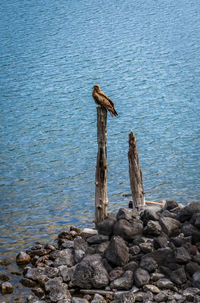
(145, 55)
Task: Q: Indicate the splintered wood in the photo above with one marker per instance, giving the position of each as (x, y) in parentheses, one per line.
(135, 173)
(101, 200)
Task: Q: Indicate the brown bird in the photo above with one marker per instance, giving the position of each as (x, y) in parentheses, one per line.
(101, 99)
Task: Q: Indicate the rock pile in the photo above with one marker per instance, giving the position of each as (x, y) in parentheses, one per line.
(147, 256)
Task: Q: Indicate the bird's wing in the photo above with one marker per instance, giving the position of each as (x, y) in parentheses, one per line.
(105, 96)
(102, 100)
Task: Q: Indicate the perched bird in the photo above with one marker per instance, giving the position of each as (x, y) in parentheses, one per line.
(101, 99)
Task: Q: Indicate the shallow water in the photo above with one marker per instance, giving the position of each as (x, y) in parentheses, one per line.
(145, 56)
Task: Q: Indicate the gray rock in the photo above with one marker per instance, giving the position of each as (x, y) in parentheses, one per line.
(57, 290)
(88, 232)
(190, 230)
(115, 274)
(106, 226)
(124, 282)
(165, 284)
(196, 279)
(97, 239)
(23, 258)
(167, 213)
(134, 250)
(197, 221)
(117, 252)
(6, 288)
(178, 276)
(161, 297)
(128, 230)
(80, 243)
(125, 296)
(79, 300)
(192, 267)
(102, 247)
(79, 254)
(170, 226)
(32, 299)
(181, 255)
(149, 264)
(63, 257)
(160, 255)
(98, 299)
(131, 266)
(170, 204)
(67, 244)
(146, 247)
(190, 293)
(149, 214)
(155, 276)
(153, 228)
(142, 277)
(90, 272)
(66, 272)
(127, 214)
(151, 288)
(161, 241)
(187, 212)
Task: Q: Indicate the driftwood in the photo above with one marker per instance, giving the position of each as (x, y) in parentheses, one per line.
(135, 173)
(101, 200)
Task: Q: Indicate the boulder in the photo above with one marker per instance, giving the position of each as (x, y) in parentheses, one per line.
(90, 273)
(117, 252)
(127, 214)
(141, 277)
(187, 212)
(170, 226)
(153, 228)
(131, 266)
(106, 226)
(128, 230)
(190, 230)
(146, 247)
(134, 250)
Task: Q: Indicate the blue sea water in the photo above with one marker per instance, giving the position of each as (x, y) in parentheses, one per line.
(145, 56)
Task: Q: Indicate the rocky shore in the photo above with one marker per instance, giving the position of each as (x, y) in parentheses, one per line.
(151, 255)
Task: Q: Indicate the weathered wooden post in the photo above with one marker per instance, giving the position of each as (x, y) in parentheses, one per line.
(101, 200)
(135, 173)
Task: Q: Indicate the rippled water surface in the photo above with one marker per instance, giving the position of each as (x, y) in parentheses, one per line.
(145, 55)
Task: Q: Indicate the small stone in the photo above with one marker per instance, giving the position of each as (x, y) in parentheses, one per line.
(38, 291)
(23, 258)
(127, 214)
(165, 284)
(142, 277)
(178, 276)
(57, 290)
(97, 239)
(88, 232)
(161, 297)
(192, 267)
(149, 264)
(156, 276)
(124, 282)
(146, 247)
(187, 212)
(63, 257)
(98, 299)
(152, 288)
(149, 214)
(131, 266)
(196, 279)
(191, 292)
(28, 282)
(79, 300)
(115, 274)
(6, 288)
(134, 250)
(4, 276)
(182, 256)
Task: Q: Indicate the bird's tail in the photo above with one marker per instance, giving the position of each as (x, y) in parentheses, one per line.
(114, 113)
